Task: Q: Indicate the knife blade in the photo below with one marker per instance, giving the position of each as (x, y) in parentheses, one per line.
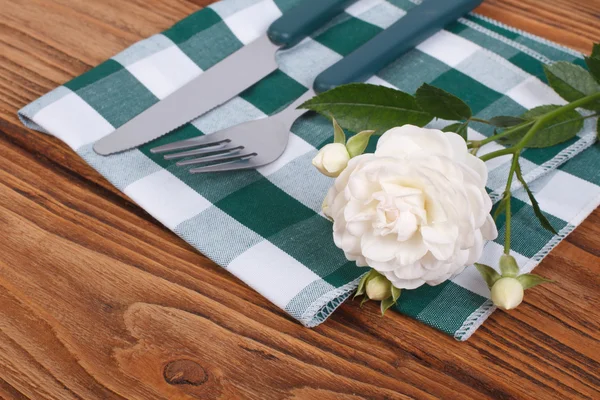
(224, 80)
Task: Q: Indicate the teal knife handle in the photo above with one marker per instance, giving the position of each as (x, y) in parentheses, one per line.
(417, 25)
(303, 19)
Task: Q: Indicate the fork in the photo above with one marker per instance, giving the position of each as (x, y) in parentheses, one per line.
(256, 143)
(247, 145)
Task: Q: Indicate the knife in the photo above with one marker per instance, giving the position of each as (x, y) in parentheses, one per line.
(224, 80)
(264, 140)
(419, 23)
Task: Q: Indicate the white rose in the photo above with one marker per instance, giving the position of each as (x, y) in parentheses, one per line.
(507, 293)
(416, 210)
(331, 159)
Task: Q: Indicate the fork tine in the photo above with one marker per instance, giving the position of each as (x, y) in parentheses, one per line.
(227, 164)
(205, 140)
(218, 156)
(208, 151)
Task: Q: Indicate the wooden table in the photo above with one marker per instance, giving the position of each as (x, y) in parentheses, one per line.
(99, 301)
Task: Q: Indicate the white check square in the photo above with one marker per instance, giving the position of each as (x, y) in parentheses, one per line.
(73, 121)
(164, 72)
(248, 24)
(296, 147)
(563, 195)
(166, 198)
(306, 60)
(439, 44)
(267, 269)
(532, 93)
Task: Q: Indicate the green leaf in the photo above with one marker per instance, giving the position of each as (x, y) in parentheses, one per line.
(358, 143)
(395, 293)
(595, 51)
(452, 127)
(338, 133)
(508, 266)
(572, 82)
(594, 66)
(501, 208)
(534, 204)
(460, 128)
(442, 104)
(489, 274)
(361, 106)
(504, 121)
(559, 129)
(360, 290)
(364, 300)
(385, 304)
(530, 280)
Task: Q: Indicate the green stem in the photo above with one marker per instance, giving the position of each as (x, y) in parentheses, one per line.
(483, 121)
(516, 152)
(497, 153)
(553, 114)
(544, 118)
(507, 195)
(479, 143)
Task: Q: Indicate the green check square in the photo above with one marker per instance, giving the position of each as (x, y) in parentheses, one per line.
(475, 94)
(208, 47)
(503, 106)
(540, 156)
(412, 69)
(457, 28)
(412, 302)
(190, 26)
(212, 187)
(118, 97)
(263, 207)
(487, 42)
(515, 206)
(344, 274)
(100, 72)
(348, 35)
(586, 165)
(530, 65)
(186, 131)
(314, 129)
(553, 53)
(273, 92)
(450, 308)
(310, 241)
(532, 236)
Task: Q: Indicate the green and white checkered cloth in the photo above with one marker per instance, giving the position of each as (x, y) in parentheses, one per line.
(264, 225)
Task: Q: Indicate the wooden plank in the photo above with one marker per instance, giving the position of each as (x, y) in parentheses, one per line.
(99, 301)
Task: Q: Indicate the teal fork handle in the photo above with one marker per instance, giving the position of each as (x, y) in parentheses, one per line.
(302, 20)
(418, 24)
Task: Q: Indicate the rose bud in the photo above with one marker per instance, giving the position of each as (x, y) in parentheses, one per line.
(379, 288)
(507, 293)
(332, 159)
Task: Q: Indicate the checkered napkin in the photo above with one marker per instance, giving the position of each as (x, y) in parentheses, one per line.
(264, 225)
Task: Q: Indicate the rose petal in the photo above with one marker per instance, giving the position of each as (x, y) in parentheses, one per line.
(410, 251)
(489, 231)
(379, 248)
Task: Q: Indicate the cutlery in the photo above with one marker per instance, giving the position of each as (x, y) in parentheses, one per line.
(256, 143)
(224, 80)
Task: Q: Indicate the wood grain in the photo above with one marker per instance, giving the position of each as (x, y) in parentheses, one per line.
(98, 301)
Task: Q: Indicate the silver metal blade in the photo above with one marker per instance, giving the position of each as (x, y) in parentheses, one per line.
(213, 87)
